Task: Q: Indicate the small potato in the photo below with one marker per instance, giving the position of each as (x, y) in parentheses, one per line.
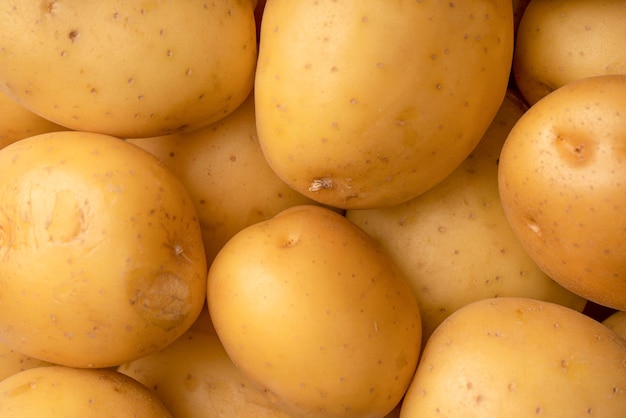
(195, 378)
(128, 69)
(17, 122)
(101, 249)
(617, 322)
(223, 168)
(59, 392)
(454, 243)
(518, 357)
(559, 41)
(562, 178)
(316, 315)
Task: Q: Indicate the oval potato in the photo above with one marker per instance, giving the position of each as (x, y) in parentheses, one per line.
(519, 357)
(367, 104)
(58, 391)
(101, 249)
(316, 315)
(126, 68)
(562, 176)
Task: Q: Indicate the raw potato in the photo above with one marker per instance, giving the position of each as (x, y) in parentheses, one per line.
(16, 122)
(12, 362)
(562, 175)
(367, 104)
(58, 391)
(195, 379)
(226, 174)
(102, 255)
(517, 357)
(314, 313)
(617, 322)
(126, 68)
(454, 243)
(559, 41)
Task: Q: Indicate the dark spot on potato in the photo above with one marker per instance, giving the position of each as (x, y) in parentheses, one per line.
(73, 35)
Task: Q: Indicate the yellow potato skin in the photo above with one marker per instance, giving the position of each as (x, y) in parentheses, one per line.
(102, 255)
(617, 323)
(12, 362)
(316, 315)
(17, 122)
(126, 68)
(561, 182)
(58, 391)
(518, 357)
(195, 378)
(223, 168)
(559, 41)
(454, 243)
(354, 99)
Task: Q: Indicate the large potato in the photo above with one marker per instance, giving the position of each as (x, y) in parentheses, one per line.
(559, 41)
(195, 378)
(58, 391)
(454, 242)
(128, 69)
(316, 315)
(562, 178)
(370, 103)
(12, 362)
(101, 250)
(17, 122)
(518, 357)
(226, 174)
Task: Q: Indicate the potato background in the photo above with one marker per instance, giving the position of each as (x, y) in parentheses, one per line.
(237, 208)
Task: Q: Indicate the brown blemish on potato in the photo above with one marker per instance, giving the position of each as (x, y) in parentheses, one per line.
(73, 35)
(574, 149)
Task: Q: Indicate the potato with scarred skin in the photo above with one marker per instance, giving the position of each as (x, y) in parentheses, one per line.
(101, 249)
(519, 357)
(562, 177)
(126, 68)
(58, 391)
(367, 104)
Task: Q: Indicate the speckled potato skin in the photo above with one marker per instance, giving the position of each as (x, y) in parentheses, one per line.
(518, 357)
(562, 176)
(367, 104)
(316, 315)
(58, 391)
(559, 41)
(128, 69)
(454, 242)
(102, 256)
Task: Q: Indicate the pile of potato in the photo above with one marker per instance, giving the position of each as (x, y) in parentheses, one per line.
(312, 208)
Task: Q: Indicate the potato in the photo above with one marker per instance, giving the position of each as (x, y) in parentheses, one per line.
(311, 310)
(18, 123)
(223, 168)
(368, 104)
(559, 41)
(617, 322)
(101, 249)
(561, 181)
(194, 378)
(454, 243)
(12, 362)
(59, 391)
(126, 68)
(518, 357)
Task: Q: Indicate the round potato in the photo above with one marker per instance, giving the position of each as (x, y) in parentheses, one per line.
(17, 122)
(195, 378)
(368, 104)
(128, 69)
(12, 362)
(561, 180)
(617, 322)
(316, 315)
(229, 180)
(518, 357)
(559, 41)
(101, 249)
(58, 391)
(454, 243)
